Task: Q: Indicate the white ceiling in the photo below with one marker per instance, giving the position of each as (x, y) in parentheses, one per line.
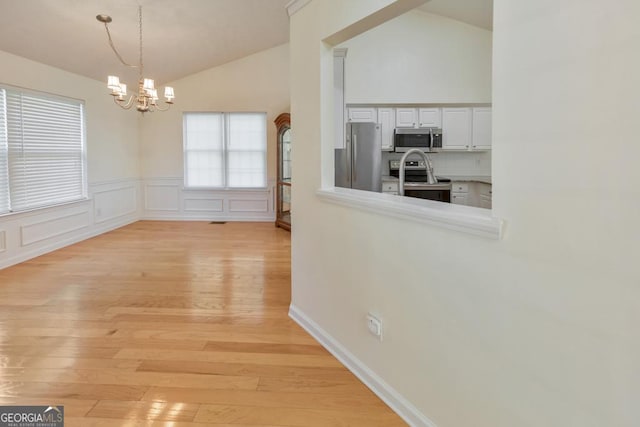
(181, 37)
(475, 12)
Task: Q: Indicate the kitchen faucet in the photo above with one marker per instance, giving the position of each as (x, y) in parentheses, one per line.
(431, 179)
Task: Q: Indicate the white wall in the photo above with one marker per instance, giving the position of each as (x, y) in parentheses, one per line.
(112, 137)
(419, 58)
(258, 82)
(112, 163)
(539, 328)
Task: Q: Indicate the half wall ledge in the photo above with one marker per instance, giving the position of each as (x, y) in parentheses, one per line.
(465, 219)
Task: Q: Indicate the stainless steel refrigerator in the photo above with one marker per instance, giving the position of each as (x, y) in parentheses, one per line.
(359, 164)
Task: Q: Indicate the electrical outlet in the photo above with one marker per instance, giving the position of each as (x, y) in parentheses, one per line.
(98, 212)
(374, 325)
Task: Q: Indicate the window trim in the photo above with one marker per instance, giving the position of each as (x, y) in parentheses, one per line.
(225, 132)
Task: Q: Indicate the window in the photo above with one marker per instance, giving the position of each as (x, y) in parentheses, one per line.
(4, 157)
(42, 150)
(225, 150)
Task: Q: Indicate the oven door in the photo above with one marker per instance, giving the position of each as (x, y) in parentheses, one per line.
(437, 192)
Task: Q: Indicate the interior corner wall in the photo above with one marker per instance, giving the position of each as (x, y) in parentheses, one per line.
(112, 167)
(419, 58)
(539, 328)
(256, 83)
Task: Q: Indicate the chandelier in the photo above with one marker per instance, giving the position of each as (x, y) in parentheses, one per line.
(146, 99)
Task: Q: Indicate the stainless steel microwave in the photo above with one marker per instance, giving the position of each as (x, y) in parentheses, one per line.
(426, 139)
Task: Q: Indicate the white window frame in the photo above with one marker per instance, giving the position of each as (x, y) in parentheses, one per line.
(225, 152)
(83, 149)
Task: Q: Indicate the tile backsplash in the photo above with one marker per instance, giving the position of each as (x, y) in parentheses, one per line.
(451, 163)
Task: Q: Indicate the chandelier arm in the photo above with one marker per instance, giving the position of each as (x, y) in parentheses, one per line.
(122, 104)
(157, 107)
(146, 99)
(113, 47)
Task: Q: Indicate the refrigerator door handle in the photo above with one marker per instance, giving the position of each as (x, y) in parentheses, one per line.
(355, 157)
(347, 157)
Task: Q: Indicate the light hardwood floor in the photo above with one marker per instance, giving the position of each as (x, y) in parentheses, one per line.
(172, 323)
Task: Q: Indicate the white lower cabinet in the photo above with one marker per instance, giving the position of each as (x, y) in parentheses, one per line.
(390, 187)
(460, 193)
(472, 193)
(460, 199)
(485, 195)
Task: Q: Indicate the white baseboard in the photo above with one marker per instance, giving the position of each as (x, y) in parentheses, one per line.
(384, 391)
(151, 217)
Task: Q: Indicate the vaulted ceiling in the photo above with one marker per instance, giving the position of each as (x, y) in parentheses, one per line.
(478, 13)
(181, 37)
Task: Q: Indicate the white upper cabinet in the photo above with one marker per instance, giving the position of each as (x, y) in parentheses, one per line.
(456, 128)
(418, 117)
(481, 138)
(463, 128)
(429, 117)
(362, 114)
(387, 121)
(406, 117)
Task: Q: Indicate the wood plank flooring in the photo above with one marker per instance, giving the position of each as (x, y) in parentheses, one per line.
(172, 323)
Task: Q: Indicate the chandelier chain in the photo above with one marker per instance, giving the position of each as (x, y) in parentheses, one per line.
(113, 47)
(145, 98)
(140, 27)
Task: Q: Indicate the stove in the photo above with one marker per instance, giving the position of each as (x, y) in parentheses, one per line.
(416, 182)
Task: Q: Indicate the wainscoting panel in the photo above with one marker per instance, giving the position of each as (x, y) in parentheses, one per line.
(166, 198)
(248, 205)
(55, 225)
(195, 204)
(113, 203)
(162, 197)
(26, 235)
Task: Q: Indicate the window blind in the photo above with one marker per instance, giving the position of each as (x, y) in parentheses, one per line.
(247, 150)
(45, 150)
(4, 154)
(225, 150)
(204, 150)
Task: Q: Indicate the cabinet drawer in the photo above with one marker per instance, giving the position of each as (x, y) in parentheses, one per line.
(459, 199)
(460, 187)
(389, 187)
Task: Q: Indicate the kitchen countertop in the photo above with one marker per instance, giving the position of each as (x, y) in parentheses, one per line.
(453, 178)
(469, 178)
